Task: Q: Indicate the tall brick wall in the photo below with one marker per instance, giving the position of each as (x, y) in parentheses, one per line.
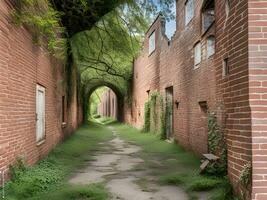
(233, 89)
(238, 98)
(257, 27)
(22, 66)
(146, 75)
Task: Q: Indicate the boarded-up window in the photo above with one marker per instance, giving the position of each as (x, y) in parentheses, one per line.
(40, 113)
(197, 56)
(152, 42)
(189, 11)
(210, 46)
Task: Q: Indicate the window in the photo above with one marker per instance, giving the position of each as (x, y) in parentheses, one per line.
(210, 46)
(197, 56)
(227, 8)
(189, 11)
(226, 69)
(208, 14)
(63, 109)
(152, 43)
(40, 113)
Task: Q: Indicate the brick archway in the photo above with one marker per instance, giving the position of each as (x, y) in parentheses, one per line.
(119, 94)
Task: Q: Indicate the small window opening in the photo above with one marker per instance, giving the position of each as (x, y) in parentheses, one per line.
(152, 43)
(189, 11)
(197, 56)
(227, 8)
(210, 46)
(208, 14)
(63, 109)
(226, 69)
(204, 106)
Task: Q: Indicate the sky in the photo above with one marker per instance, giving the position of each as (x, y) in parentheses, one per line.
(171, 25)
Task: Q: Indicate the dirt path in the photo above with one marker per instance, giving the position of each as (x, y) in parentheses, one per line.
(115, 166)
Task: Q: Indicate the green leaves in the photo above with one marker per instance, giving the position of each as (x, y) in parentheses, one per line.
(44, 22)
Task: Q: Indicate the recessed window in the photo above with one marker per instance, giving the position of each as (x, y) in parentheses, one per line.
(227, 8)
(226, 69)
(208, 14)
(152, 42)
(40, 113)
(197, 56)
(210, 46)
(189, 11)
(203, 106)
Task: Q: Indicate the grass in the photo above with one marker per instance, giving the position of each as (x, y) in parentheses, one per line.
(106, 120)
(174, 166)
(49, 178)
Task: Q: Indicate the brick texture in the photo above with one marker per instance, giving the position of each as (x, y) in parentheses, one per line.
(257, 28)
(22, 66)
(238, 99)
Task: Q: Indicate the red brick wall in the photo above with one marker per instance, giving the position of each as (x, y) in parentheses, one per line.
(146, 75)
(231, 97)
(233, 90)
(22, 66)
(257, 26)
(172, 64)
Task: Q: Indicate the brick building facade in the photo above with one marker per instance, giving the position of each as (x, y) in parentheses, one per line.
(34, 116)
(108, 107)
(215, 61)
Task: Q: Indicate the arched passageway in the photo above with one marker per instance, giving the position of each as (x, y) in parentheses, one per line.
(103, 102)
(108, 100)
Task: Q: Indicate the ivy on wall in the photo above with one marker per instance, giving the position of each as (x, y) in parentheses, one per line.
(155, 115)
(217, 146)
(44, 22)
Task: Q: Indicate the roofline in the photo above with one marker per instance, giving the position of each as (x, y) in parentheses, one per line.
(156, 18)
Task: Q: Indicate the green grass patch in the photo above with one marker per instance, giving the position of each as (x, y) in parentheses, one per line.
(174, 166)
(74, 192)
(107, 120)
(55, 170)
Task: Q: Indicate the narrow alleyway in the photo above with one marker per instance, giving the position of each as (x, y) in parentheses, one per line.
(123, 170)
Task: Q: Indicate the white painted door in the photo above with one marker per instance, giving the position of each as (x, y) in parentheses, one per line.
(40, 113)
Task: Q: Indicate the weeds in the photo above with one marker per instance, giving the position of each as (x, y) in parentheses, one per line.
(39, 181)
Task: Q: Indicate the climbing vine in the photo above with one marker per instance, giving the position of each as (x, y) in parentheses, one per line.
(246, 174)
(155, 115)
(217, 146)
(44, 22)
(147, 117)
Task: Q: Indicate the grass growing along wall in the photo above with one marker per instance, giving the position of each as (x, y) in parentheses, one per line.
(49, 178)
(175, 165)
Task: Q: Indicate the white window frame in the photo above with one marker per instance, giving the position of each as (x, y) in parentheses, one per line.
(151, 43)
(197, 54)
(211, 51)
(42, 138)
(189, 11)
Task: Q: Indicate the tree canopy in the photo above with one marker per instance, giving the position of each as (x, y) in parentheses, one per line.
(100, 37)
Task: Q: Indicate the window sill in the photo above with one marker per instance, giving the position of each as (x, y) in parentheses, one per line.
(204, 32)
(39, 143)
(63, 125)
(149, 54)
(197, 66)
